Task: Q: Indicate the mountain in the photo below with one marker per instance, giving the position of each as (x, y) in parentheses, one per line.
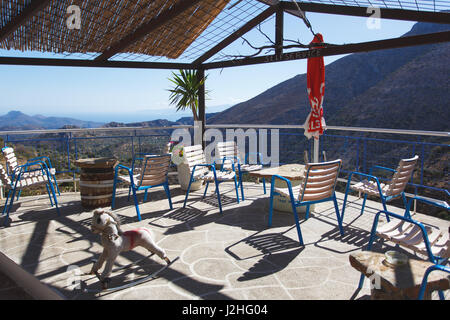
(395, 88)
(16, 120)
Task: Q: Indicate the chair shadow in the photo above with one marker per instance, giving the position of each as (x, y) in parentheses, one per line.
(276, 253)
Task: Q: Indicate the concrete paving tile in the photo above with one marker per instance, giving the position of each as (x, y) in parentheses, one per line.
(229, 256)
(301, 277)
(203, 249)
(212, 269)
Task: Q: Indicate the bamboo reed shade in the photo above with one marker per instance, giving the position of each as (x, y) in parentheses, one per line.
(106, 22)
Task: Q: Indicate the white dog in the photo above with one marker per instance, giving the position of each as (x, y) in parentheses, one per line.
(114, 241)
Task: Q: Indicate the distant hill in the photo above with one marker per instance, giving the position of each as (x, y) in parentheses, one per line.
(16, 120)
(395, 88)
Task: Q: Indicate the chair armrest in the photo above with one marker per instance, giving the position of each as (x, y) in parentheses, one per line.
(42, 157)
(364, 175)
(288, 182)
(382, 168)
(233, 159)
(24, 168)
(434, 202)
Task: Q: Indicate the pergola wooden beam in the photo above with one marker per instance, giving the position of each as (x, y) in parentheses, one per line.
(279, 30)
(236, 35)
(28, 12)
(385, 13)
(92, 63)
(177, 9)
(429, 38)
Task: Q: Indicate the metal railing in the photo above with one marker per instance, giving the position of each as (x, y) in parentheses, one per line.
(68, 144)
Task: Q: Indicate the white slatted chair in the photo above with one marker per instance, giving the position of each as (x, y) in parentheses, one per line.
(317, 186)
(12, 164)
(228, 155)
(386, 191)
(152, 173)
(24, 180)
(407, 232)
(200, 170)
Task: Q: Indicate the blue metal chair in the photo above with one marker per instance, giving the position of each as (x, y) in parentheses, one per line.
(412, 234)
(12, 164)
(228, 156)
(318, 186)
(423, 286)
(153, 173)
(372, 186)
(23, 179)
(200, 170)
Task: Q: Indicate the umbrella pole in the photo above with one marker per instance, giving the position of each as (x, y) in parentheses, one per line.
(316, 151)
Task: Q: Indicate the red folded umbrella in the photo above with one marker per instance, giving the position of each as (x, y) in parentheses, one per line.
(315, 75)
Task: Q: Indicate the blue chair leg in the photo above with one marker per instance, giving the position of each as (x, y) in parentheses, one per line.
(50, 185)
(218, 196)
(307, 211)
(6, 202)
(241, 183)
(364, 203)
(188, 189)
(145, 195)
(271, 205)
(264, 185)
(136, 204)
(336, 208)
(49, 195)
(129, 193)
(383, 201)
(18, 195)
(166, 188)
(345, 200)
(405, 202)
(237, 192)
(56, 184)
(297, 223)
(11, 202)
(206, 189)
(361, 281)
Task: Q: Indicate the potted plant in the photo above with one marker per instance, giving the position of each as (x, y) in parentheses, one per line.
(185, 95)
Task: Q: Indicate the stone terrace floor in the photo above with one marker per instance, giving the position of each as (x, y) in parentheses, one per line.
(229, 256)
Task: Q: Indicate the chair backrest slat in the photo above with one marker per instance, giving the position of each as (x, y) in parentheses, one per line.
(155, 169)
(226, 149)
(320, 180)
(194, 156)
(11, 159)
(402, 176)
(6, 181)
(194, 153)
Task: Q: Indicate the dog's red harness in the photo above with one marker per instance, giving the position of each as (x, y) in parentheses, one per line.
(132, 235)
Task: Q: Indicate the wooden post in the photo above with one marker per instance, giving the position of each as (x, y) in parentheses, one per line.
(201, 105)
(279, 27)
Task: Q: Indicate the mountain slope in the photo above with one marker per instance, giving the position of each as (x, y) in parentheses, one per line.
(20, 121)
(347, 82)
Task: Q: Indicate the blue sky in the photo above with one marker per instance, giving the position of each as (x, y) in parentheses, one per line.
(136, 95)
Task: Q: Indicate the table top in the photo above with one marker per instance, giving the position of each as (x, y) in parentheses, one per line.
(408, 276)
(288, 171)
(96, 162)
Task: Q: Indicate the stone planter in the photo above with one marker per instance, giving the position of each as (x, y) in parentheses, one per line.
(184, 175)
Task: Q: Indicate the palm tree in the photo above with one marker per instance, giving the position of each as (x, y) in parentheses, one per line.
(185, 94)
